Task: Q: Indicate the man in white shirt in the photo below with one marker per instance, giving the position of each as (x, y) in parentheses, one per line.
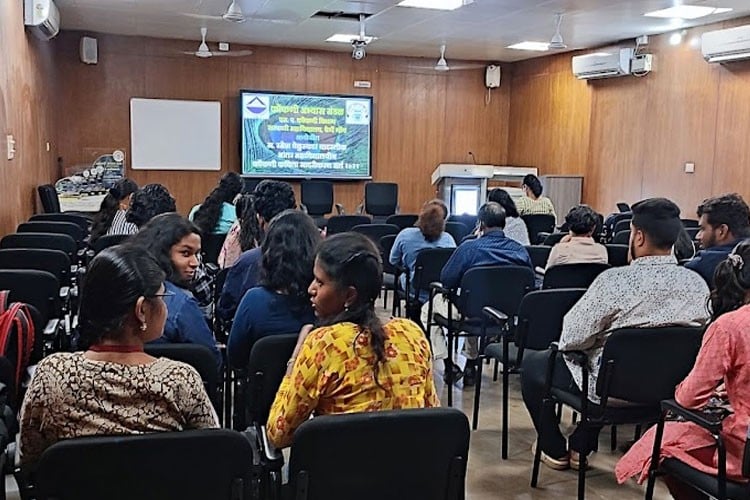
(652, 291)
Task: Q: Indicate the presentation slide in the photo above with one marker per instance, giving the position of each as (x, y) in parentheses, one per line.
(306, 135)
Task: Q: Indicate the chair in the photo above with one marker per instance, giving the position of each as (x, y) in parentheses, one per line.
(343, 223)
(402, 220)
(427, 268)
(537, 223)
(499, 287)
(692, 232)
(639, 366)
(56, 262)
(107, 241)
(72, 230)
(617, 255)
(391, 273)
(690, 223)
(317, 197)
(458, 230)
(714, 486)
(249, 184)
(622, 225)
(539, 254)
(420, 453)
(621, 238)
(82, 221)
(609, 224)
(553, 239)
(572, 275)
(376, 231)
(50, 241)
(467, 220)
(211, 247)
(188, 465)
(48, 197)
(534, 331)
(40, 289)
(623, 207)
(381, 200)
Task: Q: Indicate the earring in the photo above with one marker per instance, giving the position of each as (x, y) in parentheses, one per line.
(143, 326)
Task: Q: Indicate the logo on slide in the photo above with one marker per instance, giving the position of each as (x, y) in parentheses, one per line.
(357, 113)
(257, 107)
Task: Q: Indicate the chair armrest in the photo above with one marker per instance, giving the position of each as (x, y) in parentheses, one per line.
(211, 268)
(710, 422)
(272, 456)
(50, 329)
(494, 315)
(438, 287)
(73, 268)
(579, 357)
(64, 292)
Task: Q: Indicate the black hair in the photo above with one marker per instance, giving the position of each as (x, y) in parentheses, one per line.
(148, 202)
(502, 197)
(159, 235)
(729, 209)
(581, 219)
(116, 278)
(288, 256)
(110, 204)
(731, 281)
(684, 248)
(491, 215)
(532, 182)
(210, 210)
(659, 219)
(249, 228)
(351, 259)
(272, 198)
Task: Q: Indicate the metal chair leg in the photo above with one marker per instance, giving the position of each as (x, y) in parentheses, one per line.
(613, 438)
(477, 390)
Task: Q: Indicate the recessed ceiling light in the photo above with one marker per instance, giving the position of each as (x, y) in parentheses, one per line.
(344, 38)
(687, 11)
(537, 46)
(435, 4)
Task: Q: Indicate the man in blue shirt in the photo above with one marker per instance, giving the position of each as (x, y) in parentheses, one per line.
(724, 222)
(491, 248)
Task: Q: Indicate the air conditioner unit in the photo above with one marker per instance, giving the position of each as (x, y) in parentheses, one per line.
(602, 64)
(732, 44)
(42, 17)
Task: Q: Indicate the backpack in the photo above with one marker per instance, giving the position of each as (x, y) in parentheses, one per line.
(16, 340)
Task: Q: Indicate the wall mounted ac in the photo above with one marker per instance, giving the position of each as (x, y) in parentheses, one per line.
(42, 17)
(607, 64)
(732, 44)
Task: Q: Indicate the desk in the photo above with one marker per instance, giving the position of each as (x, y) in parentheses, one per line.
(81, 203)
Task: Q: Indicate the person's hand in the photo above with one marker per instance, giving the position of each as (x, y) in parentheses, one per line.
(721, 391)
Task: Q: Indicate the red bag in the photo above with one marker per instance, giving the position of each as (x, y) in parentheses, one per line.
(16, 338)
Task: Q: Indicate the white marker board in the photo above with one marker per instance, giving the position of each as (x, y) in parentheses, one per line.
(175, 135)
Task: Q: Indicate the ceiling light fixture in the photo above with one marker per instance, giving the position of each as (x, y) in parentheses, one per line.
(687, 12)
(536, 46)
(346, 38)
(675, 38)
(435, 4)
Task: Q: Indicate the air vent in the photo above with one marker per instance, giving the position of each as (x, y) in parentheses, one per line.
(345, 16)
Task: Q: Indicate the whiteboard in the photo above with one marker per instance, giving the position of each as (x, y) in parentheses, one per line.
(175, 135)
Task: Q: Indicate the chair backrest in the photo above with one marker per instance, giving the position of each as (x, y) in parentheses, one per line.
(427, 267)
(419, 453)
(50, 241)
(540, 316)
(402, 220)
(538, 223)
(108, 241)
(266, 368)
(501, 287)
(386, 245)
(72, 230)
(623, 207)
(56, 262)
(80, 220)
(317, 196)
(689, 223)
(48, 197)
(249, 184)
(467, 220)
(211, 247)
(37, 288)
(198, 356)
(458, 230)
(572, 275)
(343, 223)
(188, 465)
(376, 231)
(692, 232)
(621, 238)
(623, 225)
(381, 198)
(644, 365)
(617, 255)
(553, 239)
(539, 254)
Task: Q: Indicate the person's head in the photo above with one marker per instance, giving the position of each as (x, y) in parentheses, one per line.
(654, 228)
(731, 281)
(288, 255)
(683, 248)
(532, 187)
(117, 198)
(581, 220)
(431, 221)
(121, 299)
(148, 202)
(502, 197)
(272, 198)
(249, 230)
(491, 216)
(723, 220)
(210, 210)
(175, 242)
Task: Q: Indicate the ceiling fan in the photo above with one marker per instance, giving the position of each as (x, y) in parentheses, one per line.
(234, 14)
(556, 42)
(204, 52)
(442, 64)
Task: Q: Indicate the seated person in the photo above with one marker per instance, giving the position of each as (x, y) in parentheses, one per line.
(533, 203)
(515, 227)
(351, 362)
(652, 291)
(113, 387)
(280, 304)
(110, 219)
(578, 247)
(724, 221)
(176, 244)
(721, 371)
(148, 202)
(217, 214)
(243, 235)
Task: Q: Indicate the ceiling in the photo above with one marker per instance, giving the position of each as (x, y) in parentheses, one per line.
(478, 31)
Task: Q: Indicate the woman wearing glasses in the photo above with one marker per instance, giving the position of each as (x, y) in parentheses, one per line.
(113, 387)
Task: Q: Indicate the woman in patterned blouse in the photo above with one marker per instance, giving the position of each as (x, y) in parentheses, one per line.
(351, 362)
(114, 387)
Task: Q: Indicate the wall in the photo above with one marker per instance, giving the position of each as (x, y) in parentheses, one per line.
(27, 90)
(630, 137)
(422, 118)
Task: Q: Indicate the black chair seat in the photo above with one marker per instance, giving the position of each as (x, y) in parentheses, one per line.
(495, 351)
(627, 413)
(471, 327)
(704, 482)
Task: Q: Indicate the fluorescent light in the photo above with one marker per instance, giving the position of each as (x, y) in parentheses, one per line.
(435, 4)
(537, 46)
(344, 38)
(687, 12)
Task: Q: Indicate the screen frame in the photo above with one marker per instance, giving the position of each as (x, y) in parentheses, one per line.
(311, 94)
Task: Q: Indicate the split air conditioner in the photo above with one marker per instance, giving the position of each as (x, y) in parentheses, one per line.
(602, 64)
(42, 17)
(732, 44)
